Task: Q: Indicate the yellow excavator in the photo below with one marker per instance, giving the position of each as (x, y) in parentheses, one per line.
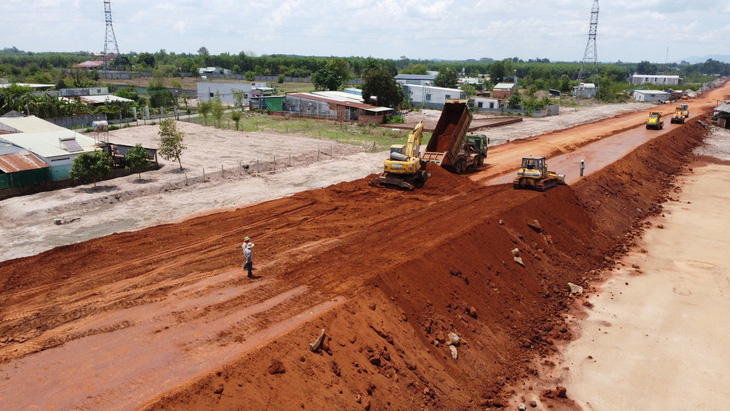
(534, 175)
(404, 168)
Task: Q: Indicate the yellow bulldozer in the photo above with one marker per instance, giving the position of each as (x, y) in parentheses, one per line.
(404, 168)
(655, 121)
(534, 175)
(680, 114)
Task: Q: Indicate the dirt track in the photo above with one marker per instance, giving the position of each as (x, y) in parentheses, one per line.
(118, 321)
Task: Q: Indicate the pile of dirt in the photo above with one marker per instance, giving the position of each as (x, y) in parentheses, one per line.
(488, 264)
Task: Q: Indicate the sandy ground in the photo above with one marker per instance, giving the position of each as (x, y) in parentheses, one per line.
(656, 338)
(162, 196)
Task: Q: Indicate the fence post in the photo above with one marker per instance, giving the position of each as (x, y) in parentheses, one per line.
(274, 162)
(257, 165)
(289, 160)
(317, 154)
(186, 177)
(221, 170)
(203, 174)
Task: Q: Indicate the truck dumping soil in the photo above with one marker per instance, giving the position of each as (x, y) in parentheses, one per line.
(388, 274)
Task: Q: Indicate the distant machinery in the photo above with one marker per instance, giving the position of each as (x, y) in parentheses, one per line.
(110, 39)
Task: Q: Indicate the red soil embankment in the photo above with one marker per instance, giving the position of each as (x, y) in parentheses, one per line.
(442, 267)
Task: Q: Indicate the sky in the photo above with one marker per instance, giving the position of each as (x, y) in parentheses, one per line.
(628, 30)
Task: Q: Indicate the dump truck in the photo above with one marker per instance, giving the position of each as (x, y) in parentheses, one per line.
(655, 121)
(680, 114)
(534, 175)
(404, 168)
(448, 147)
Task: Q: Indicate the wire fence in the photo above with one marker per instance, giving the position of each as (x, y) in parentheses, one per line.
(276, 163)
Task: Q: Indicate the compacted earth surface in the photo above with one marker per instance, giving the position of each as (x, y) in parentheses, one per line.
(450, 296)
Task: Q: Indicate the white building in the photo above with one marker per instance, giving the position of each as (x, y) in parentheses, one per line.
(56, 146)
(431, 97)
(651, 95)
(654, 79)
(417, 79)
(214, 70)
(207, 90)
(483, 103)
(585, 90)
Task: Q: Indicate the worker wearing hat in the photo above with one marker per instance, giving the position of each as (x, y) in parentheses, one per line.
(247, 256)
(582, 167)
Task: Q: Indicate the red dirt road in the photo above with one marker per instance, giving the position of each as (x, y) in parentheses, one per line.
(165, 316)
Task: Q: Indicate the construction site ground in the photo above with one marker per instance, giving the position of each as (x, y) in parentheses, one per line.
(169, 195)
(164, 317)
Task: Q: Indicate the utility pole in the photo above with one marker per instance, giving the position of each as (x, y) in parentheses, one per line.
(110, 39)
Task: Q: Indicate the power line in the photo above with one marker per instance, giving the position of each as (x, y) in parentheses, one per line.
(590, 56)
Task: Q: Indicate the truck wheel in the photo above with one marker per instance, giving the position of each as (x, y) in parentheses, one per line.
(459, 167)
(480, 161)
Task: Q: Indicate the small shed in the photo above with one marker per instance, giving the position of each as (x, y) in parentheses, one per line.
(503, 90)
(20, 168)
(585, 90)
(651, 96)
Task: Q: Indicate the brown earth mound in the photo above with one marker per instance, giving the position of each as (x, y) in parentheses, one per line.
(414, 267)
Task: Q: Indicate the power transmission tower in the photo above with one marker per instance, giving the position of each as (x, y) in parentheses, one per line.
(590, 56)
(110, 39)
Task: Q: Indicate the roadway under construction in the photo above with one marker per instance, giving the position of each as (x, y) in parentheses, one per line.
(164, 317)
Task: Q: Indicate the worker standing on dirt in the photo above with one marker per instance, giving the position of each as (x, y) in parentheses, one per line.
(248, 258)
(582, 167)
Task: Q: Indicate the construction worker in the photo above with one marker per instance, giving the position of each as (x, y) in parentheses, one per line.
(582, 167)
(248, 258)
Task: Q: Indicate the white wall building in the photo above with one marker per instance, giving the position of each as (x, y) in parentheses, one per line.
(651, 95)
(654, 79)
(207, 90)
(417, 79)
(487, 103)
(431, 97)
(585, 90)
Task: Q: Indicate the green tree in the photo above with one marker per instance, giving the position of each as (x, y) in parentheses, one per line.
(646, 67)
(379, 82)
(147, 59)
(137, 158)
(497, 72)
(469, 89)
(217, 109)
(415, 69)
(204, 108)
(238, 96)
(93, 165)
(171, 141)
(515, 101)
(236, 117)
(447, 77)
(565, 86)
(335, 74)
(250, 75)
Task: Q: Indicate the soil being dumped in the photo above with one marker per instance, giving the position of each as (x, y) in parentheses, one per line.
(401, 273)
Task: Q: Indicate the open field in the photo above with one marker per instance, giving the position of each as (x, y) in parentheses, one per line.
(387, 274)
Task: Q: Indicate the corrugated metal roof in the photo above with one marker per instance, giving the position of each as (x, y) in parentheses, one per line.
(504, 86)
(20, 161)
(104, 98)
(30, 124)
(723, 107)
(417, 87)
(337, 99)
(654, 76)
(654, 92)
(415, 77)
(48, 145)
